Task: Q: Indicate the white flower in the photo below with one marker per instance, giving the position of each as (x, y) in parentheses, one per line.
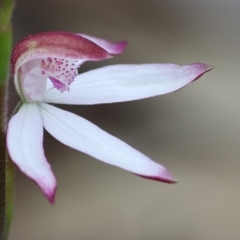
(44, 67)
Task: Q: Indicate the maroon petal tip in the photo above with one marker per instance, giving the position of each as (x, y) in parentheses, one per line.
(120, 47)
(51, 195)
(160, 179)
(202, 68)
(164, 176)
(51, 199)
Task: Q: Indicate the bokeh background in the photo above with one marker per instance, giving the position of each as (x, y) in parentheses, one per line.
(194, 132)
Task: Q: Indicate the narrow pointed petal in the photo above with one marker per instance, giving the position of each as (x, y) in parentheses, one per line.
(119, 83)
(24, 142)
(112, 48)
(86, 137)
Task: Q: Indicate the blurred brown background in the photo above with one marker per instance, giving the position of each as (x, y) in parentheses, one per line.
(194, 132)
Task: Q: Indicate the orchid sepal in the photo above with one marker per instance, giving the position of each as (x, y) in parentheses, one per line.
(127, 82)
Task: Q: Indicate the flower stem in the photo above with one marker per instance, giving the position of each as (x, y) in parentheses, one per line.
(6, 7)
(6, 166)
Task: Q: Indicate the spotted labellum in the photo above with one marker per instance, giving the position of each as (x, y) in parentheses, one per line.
(45, 71)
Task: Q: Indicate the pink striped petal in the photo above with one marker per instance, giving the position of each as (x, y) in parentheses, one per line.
(24, 142)
(119, 83)
(86, 137)
(112, 48)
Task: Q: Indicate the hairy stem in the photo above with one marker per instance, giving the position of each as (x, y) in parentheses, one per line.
(6, 166)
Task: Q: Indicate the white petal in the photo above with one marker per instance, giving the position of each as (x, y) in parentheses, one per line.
(119, 83)
(24, 142)
(84, 136)
(34, 85)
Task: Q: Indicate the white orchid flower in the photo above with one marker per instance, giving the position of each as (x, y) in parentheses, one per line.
(45, 70)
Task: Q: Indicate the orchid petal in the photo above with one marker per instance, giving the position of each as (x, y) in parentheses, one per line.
(110, 47)
(84, 136)
(24, 141)
(119, 83)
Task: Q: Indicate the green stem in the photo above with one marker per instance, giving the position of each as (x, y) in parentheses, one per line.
(6, 7)
(6, 166)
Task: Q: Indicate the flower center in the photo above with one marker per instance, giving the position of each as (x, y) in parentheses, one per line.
(60, 71)
(34, 74)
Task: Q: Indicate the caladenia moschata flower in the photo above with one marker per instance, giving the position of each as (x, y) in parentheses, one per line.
(45, 70)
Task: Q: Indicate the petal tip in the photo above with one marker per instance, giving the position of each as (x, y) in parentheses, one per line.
(119, 47)
(164, 176)
(50, 194)
(201, 68)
